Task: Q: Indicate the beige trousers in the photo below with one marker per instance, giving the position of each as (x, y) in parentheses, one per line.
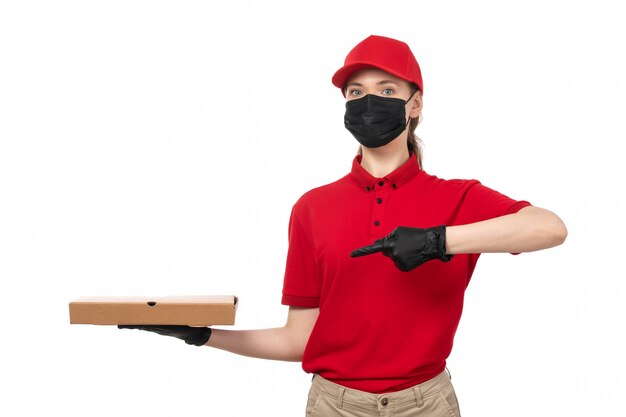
(432, 398)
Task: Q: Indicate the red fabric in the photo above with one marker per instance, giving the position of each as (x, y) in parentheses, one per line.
(381, 329)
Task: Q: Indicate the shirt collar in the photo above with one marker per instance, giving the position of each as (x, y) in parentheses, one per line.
(401, 175)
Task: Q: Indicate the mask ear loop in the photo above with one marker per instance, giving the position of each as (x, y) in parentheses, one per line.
(409, 99)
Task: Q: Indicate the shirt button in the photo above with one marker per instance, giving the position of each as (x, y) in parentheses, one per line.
(367, 188)
(376, 222)
(384, 402)
(381, 183)
(394, 185)
(380, 200)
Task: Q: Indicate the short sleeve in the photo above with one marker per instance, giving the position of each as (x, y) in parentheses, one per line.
(301, 285)
(483, 203)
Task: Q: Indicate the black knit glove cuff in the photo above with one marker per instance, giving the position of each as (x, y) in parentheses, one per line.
(200, 337)
(437, 235)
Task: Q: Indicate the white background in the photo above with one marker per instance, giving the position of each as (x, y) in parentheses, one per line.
(156, 148)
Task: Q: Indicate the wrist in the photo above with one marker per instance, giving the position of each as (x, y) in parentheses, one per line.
(442, 249)
(200, 336)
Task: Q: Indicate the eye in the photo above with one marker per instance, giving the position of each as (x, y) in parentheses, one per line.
(388, 91)
(354, 92)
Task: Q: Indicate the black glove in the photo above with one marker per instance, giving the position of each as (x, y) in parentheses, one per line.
(191, 335)
(409, 247)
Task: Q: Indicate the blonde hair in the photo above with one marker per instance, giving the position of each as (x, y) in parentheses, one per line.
(414, 143)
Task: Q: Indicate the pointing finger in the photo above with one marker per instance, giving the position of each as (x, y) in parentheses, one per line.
(367, 250)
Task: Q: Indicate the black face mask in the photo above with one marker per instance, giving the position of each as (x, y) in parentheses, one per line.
(374, 120)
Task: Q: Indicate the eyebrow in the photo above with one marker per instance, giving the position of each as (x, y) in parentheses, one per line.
(378, 83)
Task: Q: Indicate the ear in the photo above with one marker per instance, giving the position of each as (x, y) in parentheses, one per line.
(415, 105)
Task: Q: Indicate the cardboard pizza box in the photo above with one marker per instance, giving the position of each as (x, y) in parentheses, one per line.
(196, 310)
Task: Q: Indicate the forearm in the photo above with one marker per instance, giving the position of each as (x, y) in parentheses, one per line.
(282, 343)
(276, 344)
(530, 229)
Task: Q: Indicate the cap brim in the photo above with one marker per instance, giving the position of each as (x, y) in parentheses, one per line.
(343, 73)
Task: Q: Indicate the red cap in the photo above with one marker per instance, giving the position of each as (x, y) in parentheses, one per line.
(387, 54)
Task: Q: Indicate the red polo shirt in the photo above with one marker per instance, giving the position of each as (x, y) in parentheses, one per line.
(381, 329)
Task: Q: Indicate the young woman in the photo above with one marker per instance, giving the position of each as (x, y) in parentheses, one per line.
(379, 260)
